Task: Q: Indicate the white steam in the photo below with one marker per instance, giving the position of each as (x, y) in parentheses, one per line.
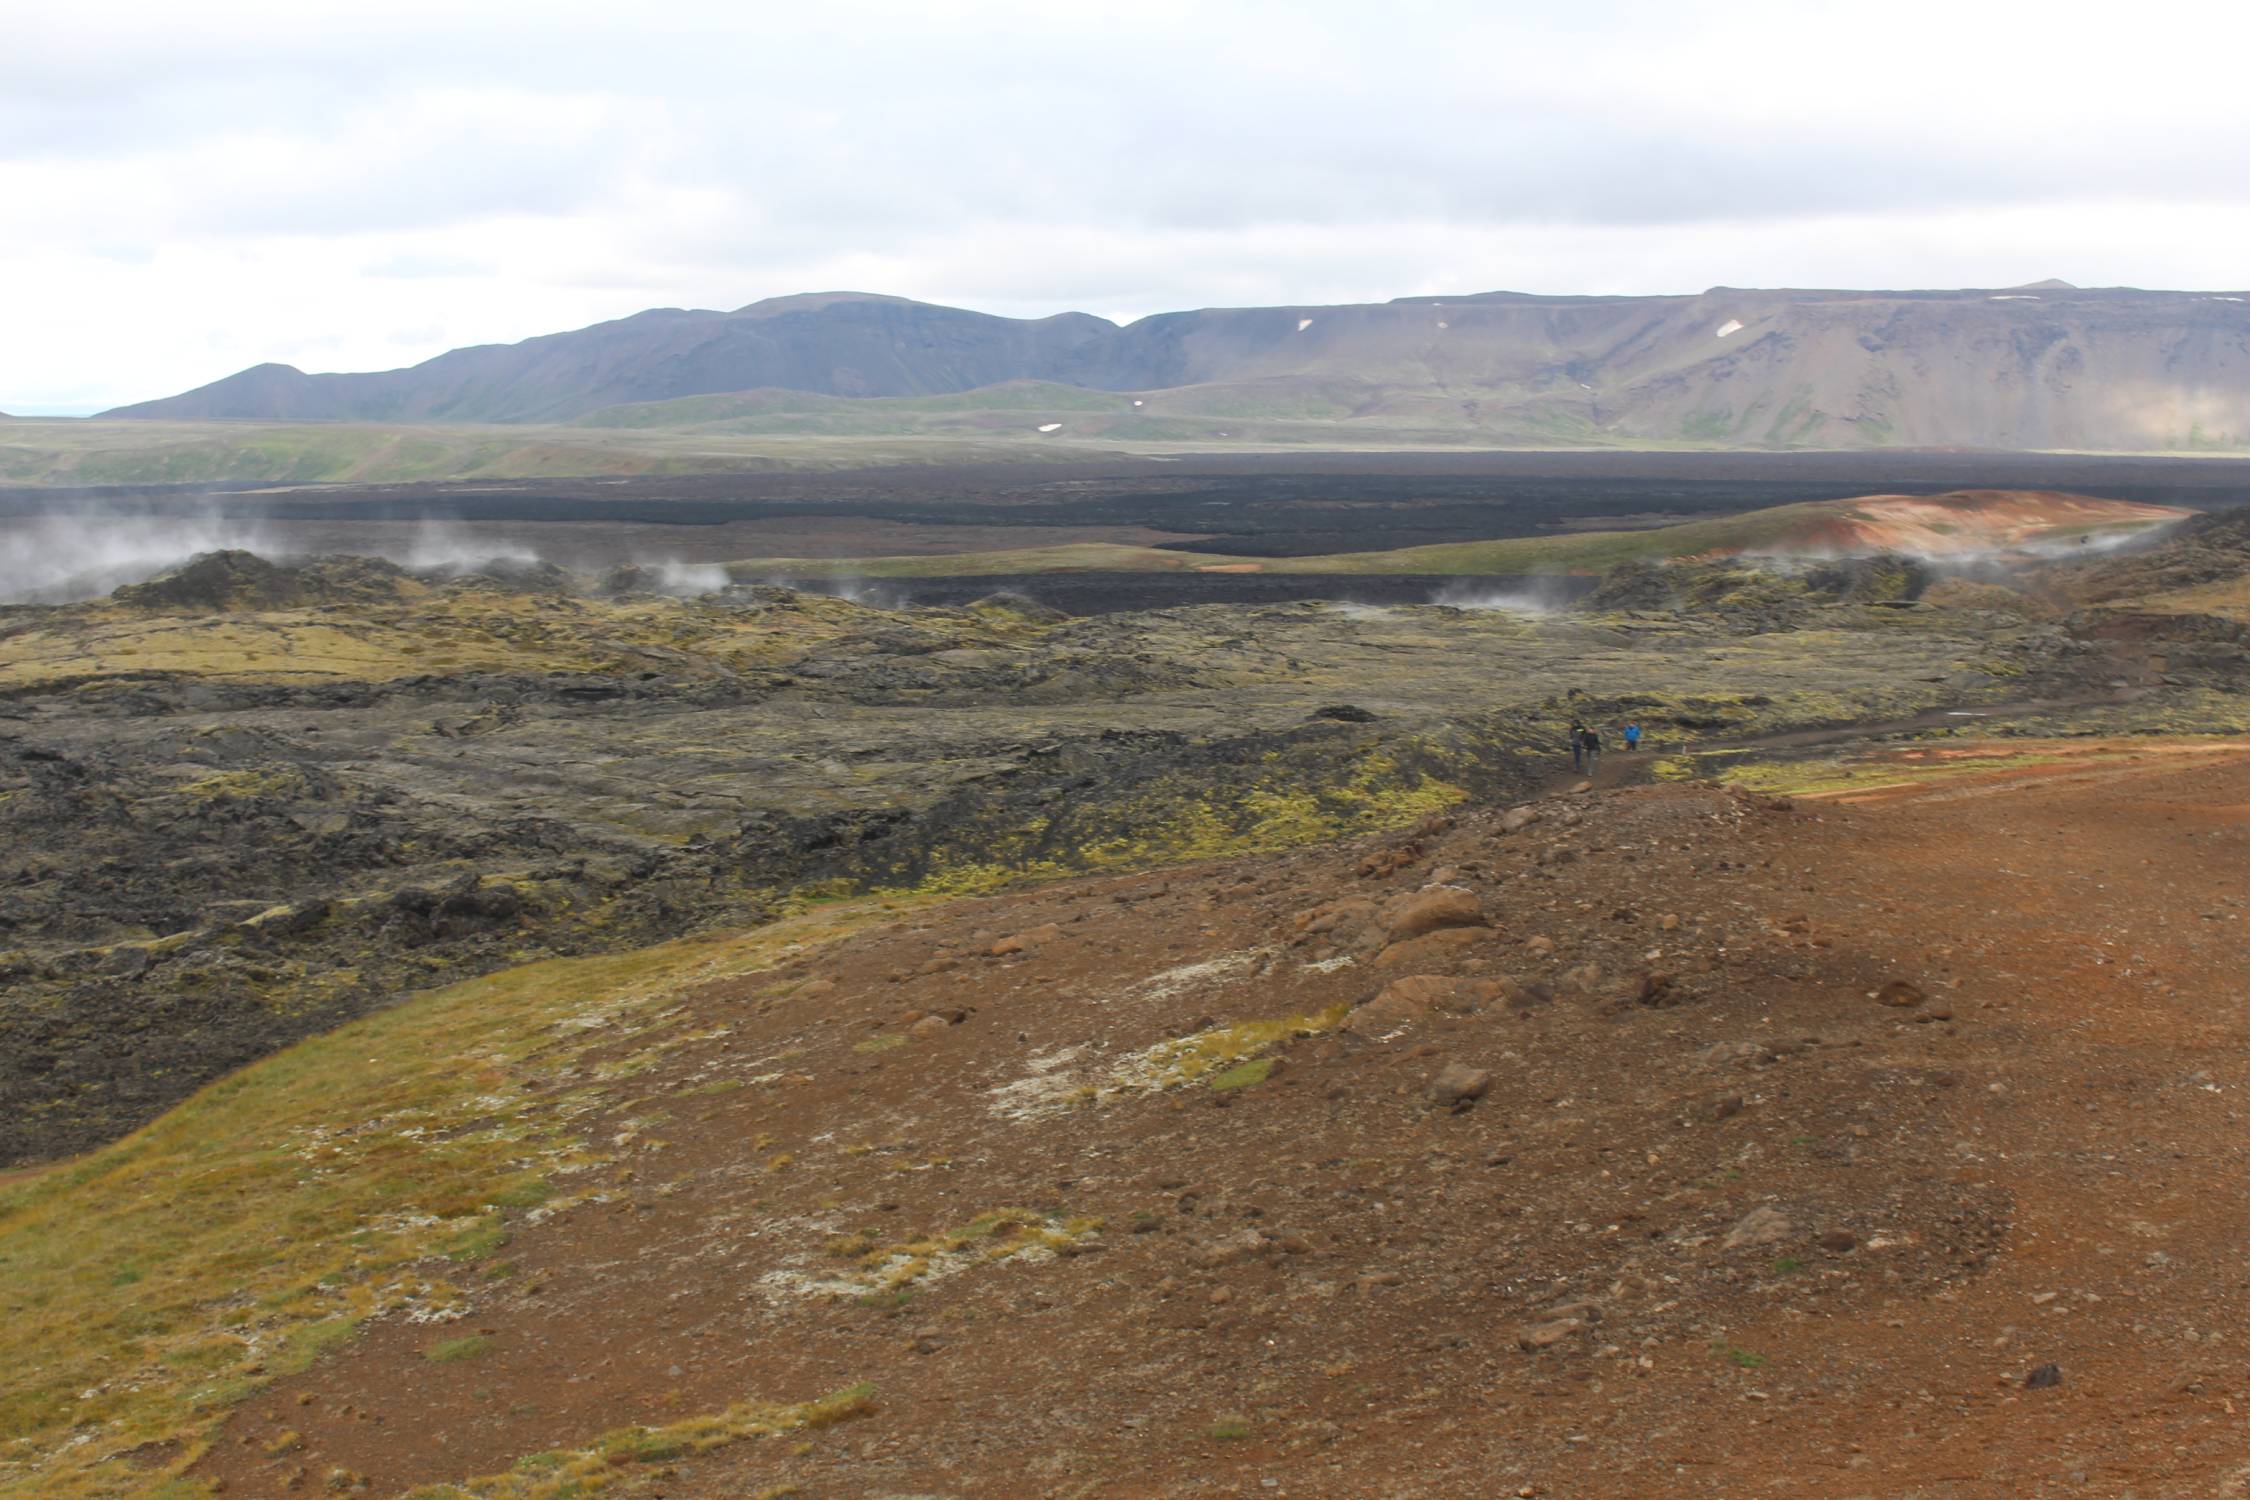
(62, 559)
(1520, 600)
(690, 580)
(850, 590)
(56, 559)
(439, 547)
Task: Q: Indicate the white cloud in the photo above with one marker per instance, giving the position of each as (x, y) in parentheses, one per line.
(184, 191)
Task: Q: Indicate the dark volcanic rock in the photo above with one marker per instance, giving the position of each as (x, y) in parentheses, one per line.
(237, 580)
(215, 581)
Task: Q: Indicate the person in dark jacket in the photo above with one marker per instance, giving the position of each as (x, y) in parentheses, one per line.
(1590, 746)
(1577, 746)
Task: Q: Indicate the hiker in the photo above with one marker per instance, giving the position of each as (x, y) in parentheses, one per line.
(1577, 746)
(1632, 738)
(1591, 743)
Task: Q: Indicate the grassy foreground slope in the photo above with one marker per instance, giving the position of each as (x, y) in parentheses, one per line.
(152, 1285)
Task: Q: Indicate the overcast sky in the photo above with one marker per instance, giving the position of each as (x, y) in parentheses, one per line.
(189, 189)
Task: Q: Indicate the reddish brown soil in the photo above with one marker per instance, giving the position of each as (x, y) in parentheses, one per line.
(1971, 522)
(1321, 1284)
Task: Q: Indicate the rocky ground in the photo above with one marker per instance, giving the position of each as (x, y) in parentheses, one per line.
(246, 802)
(976, 1051)
(1656, 1141)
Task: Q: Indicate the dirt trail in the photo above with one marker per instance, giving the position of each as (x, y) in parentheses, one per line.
(1720, 1223)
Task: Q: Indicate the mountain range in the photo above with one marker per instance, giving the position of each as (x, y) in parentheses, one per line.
(2042, 366)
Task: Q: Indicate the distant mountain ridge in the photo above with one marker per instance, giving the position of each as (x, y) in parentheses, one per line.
(2039, 366)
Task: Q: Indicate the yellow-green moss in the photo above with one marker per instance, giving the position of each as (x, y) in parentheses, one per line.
(611, 1460)
(150, 1286)
(998, 1235)
(1215, 1051)
(1244, 1075)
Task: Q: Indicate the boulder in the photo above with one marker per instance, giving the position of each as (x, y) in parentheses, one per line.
(1412, 913)
(1458, 1085)
(1433, 949)
(1352, 923)
(1402, 1002)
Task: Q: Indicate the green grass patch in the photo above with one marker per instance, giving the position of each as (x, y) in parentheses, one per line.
(308, 1341)
(151, 1285)
(1231, 1052)
(480, 1241)
(1868, 772)
(611, 1459)
(1741, 1359)
(449, 1350)
(1244, 1075)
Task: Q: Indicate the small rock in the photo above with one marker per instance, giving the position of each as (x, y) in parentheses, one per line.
(1547, 1335)
(1517, 819)
(1459, 1085)
(1899, 992)
(1539, 947)
(1024, 942)
(1348, 924)
(929, 1026)
(1837, 1241)
(1225, 1252)
(1734, 1055)
(2043, 1378)
(1760, 1226)
(129, 960)
(1525, 998)
(1727, 1108)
